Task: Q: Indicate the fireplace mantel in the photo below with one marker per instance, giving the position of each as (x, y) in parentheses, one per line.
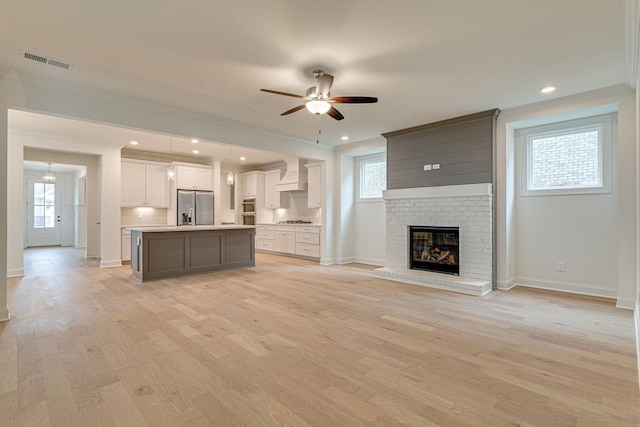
(467, 190)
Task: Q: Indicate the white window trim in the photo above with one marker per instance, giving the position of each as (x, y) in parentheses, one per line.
(360, 161)
(603, 122)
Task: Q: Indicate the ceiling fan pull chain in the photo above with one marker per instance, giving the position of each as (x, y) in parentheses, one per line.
(319, 130)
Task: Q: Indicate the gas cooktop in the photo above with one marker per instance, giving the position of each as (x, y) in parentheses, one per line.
(294, 221)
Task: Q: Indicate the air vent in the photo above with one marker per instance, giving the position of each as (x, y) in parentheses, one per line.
(44, 60)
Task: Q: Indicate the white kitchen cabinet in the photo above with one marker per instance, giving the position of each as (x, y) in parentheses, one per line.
(194, 178)
(285, 240)
(249, 184)
(308, 241)
(314, 189)
(290, 239)
(126, 245)
(156, 186)
(265, 238)
(144, 185)
(274, 199)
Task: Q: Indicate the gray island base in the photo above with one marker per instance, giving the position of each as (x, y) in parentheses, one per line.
(161, 252)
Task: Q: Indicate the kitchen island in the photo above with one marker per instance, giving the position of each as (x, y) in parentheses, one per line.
(161, 252)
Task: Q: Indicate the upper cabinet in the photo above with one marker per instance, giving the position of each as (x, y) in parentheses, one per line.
(314, 189)
(144, 185)
(249, 184)
(274, 199)
(194, 178)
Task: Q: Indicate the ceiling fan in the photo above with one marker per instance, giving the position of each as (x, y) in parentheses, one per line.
(319, 99)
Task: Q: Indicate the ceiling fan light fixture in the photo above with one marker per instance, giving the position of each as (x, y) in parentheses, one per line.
(318, 107)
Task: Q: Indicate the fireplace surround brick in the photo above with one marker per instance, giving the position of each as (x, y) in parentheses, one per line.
(468, 207)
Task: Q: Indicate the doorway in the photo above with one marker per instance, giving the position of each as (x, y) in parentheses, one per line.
(43, 207)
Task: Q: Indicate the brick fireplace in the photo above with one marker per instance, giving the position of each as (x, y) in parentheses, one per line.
(466, 207)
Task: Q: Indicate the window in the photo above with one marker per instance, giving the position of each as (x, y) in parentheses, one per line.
(44, 197)
(567, 158)
(372, 176)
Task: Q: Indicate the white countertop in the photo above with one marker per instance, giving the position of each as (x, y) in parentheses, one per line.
(302, 225)
(164, 229)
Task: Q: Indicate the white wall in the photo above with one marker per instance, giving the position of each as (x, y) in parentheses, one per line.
(369, 220)
(516, 258)
(360, 229)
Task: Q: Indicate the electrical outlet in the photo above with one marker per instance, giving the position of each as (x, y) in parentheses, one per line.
(560, 266)
(436, 166)
(427, 167)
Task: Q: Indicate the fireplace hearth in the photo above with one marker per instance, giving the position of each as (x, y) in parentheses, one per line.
(435, 249)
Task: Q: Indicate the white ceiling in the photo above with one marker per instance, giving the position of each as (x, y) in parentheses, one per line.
(425, 60)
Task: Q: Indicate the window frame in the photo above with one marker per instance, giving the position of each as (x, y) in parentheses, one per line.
(606, 136)
(361, 161)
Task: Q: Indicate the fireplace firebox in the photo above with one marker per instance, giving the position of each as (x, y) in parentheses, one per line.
(434, 249)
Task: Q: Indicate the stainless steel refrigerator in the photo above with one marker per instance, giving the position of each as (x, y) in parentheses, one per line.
(195, 207)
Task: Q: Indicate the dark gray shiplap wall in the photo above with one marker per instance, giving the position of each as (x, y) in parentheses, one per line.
(463, 147)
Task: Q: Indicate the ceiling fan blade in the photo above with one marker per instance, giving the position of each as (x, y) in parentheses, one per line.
(335, 114)
(277, 92)
(324, 85)
(293, 110)
(353, 99)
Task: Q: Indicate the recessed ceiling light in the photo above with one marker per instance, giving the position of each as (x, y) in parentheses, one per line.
(195, 141)
(134, 143)
(243, 158)
(195, 151)
(344, 138)
(547, 89)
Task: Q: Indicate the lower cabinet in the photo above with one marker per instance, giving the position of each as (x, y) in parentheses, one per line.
(125, 250)
(285, 240)
(303, 241)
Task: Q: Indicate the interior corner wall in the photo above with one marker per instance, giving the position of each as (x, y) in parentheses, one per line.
(4, 146)
(623, 224)
(358, 228)
(345, 228)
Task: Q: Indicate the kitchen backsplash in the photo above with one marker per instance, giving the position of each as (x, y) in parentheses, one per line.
(297, 209)
(150, 216)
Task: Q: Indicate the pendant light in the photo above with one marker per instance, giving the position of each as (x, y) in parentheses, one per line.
(230, 178)
(49, 177)
(171, 173)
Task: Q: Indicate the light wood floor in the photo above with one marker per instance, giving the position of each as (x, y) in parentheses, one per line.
(292, 343)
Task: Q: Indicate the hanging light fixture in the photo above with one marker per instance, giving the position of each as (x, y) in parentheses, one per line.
(230, 177)
(171, 173)
(49, 177)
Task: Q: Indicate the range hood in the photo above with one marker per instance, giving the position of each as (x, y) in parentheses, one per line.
(295, 177)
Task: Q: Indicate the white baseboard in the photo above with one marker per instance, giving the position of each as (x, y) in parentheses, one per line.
(574, 288)
(370, 261)
(506, 285)
(15, 272)
(346, 260)
(629, 304)
(113, 263)
(4, 314)
(327, 261)
(91, 255)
